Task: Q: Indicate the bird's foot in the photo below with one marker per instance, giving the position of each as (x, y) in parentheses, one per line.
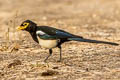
(45, 60)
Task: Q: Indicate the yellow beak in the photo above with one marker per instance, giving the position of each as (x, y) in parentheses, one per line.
(21, 27)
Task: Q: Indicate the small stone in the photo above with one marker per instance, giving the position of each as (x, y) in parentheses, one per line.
(14, 63)
(49, 73)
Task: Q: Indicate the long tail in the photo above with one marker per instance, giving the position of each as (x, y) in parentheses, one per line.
(92, 41)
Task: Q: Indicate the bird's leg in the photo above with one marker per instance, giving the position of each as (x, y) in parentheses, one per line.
(60, 54)
(50, 53)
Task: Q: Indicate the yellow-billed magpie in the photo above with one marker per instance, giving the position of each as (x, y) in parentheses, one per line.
(49, 37)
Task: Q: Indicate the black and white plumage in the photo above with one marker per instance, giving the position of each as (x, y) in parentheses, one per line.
(49, 37)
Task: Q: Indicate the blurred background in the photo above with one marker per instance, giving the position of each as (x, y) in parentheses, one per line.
(94, 19)
(68, 14)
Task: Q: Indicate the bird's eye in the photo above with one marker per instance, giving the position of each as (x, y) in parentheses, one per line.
(25, 24)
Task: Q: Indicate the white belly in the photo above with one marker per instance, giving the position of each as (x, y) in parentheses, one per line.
(48, 43)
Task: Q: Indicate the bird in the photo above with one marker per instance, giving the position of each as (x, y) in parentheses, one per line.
(50, 37)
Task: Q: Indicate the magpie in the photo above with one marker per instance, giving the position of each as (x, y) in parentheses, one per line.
(49, 37)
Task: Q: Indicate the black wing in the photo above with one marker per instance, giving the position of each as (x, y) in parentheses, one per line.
(53, 33)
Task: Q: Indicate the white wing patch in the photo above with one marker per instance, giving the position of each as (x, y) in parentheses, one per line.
(40, 32)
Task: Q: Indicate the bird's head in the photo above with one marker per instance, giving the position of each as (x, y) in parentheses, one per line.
(27, 25)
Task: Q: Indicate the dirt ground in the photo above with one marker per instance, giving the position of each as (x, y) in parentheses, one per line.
(22, 59)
